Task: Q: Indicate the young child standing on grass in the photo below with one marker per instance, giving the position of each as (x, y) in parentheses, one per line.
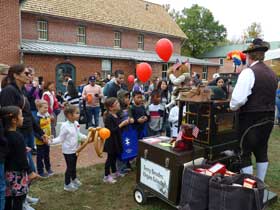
(124, 113)
(16, 164)
(113, 145)
(43, 119)
(70, 136)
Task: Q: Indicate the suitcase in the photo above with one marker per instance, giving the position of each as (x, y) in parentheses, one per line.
(159, 169)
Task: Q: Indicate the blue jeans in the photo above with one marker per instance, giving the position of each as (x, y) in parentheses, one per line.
(95, 112)
(2, 186)
(278, 107)
(29, 141)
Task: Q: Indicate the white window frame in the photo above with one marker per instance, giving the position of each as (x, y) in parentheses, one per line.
(164, 71)
(42, 29)
(221, 60)
(140, 42)
(106, 67)
(117, 39)
(82, 38)
(205, 72)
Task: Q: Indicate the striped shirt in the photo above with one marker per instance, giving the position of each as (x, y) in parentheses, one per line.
(73, 101)
(156, 113)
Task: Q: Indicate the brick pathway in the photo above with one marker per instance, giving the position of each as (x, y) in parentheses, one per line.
(86, 158)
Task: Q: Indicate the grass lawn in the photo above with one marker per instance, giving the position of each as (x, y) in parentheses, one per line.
(94, 194)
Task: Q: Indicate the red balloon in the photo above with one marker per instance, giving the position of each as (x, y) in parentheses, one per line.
(143, 72)
(130, 79)
(164, 49)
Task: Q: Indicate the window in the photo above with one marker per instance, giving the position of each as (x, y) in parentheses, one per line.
(42, 28)
(221, 61)
(81, 35)
(140, 42)
(117, 39)
(164, 71)
(205, 72)
(106, 66)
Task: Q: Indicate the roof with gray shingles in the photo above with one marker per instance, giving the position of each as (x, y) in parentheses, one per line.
(221, 52)
(133, 14)
(55, 48)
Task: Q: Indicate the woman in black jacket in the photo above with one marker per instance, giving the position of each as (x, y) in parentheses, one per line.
(13, 93)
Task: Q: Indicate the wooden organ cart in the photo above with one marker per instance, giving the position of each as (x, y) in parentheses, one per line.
(218, 125)
(160, 168)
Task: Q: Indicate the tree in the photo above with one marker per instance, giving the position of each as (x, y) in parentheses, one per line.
(202, 31)
(253, 31)
(174, 14)
(235, 40)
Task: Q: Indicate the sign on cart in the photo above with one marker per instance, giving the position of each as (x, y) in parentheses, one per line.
(155, 177)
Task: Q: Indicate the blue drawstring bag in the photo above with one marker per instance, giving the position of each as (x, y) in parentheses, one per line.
(129, 143)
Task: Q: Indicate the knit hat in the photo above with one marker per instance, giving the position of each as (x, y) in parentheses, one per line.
(121, 95)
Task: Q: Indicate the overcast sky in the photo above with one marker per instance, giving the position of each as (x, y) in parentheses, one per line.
(237, 15)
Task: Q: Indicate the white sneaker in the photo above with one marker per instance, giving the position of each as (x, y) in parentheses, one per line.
(109, 179)
(117, 174)
(31, 200)
(70, 188)
(26, 206)
(76, 182)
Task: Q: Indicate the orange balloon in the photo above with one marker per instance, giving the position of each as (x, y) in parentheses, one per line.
(104, 133)
(89, 98)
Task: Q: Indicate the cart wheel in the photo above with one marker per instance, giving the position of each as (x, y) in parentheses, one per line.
(139, 196)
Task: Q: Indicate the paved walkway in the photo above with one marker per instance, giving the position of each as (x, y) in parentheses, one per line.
(86, 158)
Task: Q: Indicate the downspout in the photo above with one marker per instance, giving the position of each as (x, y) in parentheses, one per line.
(182, 43)
(20, 36)
(190, 65)
(21, 56)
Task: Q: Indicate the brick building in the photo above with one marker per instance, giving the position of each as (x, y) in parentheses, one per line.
(9, 31)
(79, 37)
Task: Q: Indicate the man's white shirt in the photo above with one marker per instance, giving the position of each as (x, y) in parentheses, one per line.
(243, 88)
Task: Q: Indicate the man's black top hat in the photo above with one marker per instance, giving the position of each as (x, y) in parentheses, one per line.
(258, 45)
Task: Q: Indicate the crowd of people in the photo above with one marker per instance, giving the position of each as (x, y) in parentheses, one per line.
(30, 106)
